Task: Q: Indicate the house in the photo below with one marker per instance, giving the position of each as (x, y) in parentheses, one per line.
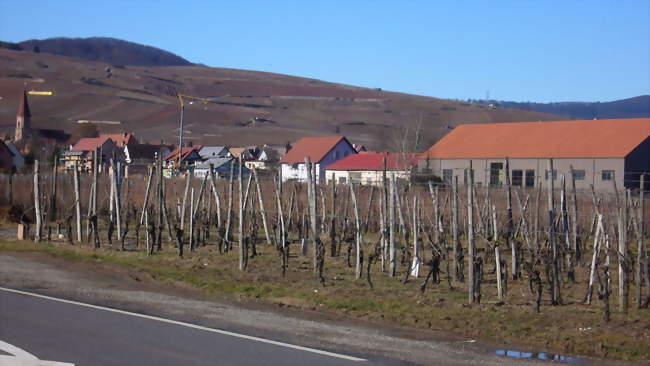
(188, 156)
(264, 159)
(247, 152)
(82, 153)
(18, 159)
(368, 168)
(600, 152)
(69, 158)
(209, 152)
(139, 156)
(144, 154)
(277, 150)
(6, 158)
(220, 167)
(322, 151)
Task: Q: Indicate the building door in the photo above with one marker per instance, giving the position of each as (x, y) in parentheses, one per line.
(495, 174)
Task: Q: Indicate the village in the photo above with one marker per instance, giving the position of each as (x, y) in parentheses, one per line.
(603, 154)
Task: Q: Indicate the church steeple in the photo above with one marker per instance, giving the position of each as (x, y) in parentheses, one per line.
(23, 119)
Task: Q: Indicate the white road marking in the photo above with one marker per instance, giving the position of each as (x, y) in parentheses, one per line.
(188, 325)
(20, 357)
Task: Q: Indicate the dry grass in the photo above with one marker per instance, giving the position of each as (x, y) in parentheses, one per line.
(573, 328)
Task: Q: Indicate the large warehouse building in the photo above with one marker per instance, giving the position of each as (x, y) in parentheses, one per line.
(600, 152)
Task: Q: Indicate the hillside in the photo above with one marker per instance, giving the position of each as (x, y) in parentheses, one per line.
(259, 108)
(110, 50)
(636, 107)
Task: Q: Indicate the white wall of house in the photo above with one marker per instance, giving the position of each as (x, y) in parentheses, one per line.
(599, 172)
(299, 171)
(257, 164)
(364, 177)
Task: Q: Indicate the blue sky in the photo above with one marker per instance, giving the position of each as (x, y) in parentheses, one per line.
(518, 50)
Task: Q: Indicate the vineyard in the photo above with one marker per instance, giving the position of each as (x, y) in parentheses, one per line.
(529, 266)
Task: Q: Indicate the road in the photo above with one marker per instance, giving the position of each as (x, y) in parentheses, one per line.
(90, 314)
(83, 334)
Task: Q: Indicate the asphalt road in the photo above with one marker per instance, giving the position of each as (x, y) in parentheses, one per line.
(82, 335)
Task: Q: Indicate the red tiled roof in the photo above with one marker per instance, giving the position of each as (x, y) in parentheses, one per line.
(313, 147)
(88, 144)
(607, 138)
(185, 152)
(375, 161)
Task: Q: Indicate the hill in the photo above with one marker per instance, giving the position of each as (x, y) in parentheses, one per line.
(256, 107)
(636, 107)
(110, 50)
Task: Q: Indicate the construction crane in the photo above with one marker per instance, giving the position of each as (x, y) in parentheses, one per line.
(191, 99)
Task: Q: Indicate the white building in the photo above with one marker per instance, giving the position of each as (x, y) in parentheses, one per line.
(322, 151)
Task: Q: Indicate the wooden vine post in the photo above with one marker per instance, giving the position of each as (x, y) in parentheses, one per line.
(497, 253)
(555, 280)
(392, 250)
(37, 203)
(641, 258)
(77, 201)
(241, 214)
(457, 249)
(470, 236)
(622, 256)
(116, 199)
(55, 172)
(262, 210)
(509, 227)
(357, 228)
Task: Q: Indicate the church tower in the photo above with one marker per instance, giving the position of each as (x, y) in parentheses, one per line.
(23, 119)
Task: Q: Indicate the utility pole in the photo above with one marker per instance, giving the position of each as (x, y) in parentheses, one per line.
(180, 134)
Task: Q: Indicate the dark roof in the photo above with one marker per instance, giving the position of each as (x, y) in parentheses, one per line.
(144, 151)
(23, 107)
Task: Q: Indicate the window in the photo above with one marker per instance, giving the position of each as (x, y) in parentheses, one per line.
(530, 178)
(554, 174)
(447, 175)
(496, 169)
(355, 177)
(579, 174)
(342, 180)
(607, 175)
(517, 177)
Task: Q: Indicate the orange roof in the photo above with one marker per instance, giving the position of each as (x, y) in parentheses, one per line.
(313, 147)
(607, 138)
(236, 151)
(88, 144)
